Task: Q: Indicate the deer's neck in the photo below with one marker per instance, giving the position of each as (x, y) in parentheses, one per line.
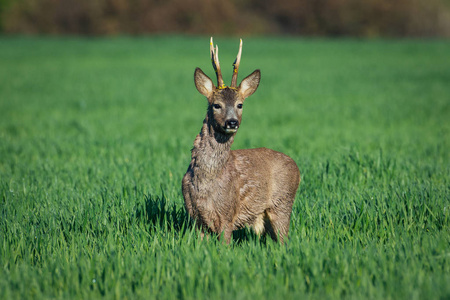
(211, 150)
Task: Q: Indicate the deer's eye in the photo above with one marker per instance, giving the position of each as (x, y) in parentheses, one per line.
(217, 106)
(240, 105)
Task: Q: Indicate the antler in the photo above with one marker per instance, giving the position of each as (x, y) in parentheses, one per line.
(216, 64)
(236, 66)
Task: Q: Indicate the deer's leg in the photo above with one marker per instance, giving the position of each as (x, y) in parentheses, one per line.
(278, 225)
(279, 214)
(204, 231)
(259, 224)
(227, 233)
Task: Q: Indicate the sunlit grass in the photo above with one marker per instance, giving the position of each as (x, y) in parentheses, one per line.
(95, 136)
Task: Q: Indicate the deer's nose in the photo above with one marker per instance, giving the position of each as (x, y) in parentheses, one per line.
(231, 124)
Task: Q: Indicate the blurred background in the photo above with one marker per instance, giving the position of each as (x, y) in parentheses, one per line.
(361, 18)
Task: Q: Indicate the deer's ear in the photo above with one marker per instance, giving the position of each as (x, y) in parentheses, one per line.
(249, 84)
(203, 83)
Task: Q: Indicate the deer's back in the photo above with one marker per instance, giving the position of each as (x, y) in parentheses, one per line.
(267, 173)
(264, 162)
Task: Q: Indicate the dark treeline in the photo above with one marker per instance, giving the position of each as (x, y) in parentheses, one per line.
(367, 18)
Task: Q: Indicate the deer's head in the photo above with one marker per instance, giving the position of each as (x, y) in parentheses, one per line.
(225, 102)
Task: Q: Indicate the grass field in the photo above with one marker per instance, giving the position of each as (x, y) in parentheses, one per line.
(95, 136)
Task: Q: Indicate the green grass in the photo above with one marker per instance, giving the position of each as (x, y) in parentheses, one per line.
(95, 136)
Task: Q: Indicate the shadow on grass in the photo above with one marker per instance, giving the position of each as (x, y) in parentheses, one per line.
(246, 235)
(159, 214)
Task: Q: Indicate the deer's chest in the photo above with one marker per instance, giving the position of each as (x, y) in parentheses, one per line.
(214, 197)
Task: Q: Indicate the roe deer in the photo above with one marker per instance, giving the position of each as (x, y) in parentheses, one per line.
(225, 190)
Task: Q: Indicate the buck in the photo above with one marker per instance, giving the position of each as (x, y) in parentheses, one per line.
(225, 190)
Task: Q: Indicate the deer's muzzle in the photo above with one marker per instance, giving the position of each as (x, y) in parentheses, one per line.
(231, 126)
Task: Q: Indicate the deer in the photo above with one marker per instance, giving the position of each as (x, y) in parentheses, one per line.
(226, 190)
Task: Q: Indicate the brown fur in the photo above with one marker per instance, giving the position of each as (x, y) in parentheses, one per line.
(226, 190)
